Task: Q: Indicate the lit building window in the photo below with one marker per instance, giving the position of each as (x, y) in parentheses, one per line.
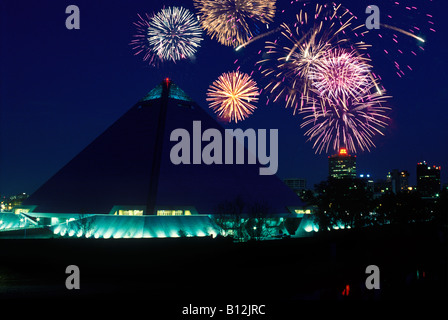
(21, 210)
(173, 213)
(129, 212)
(302, 211)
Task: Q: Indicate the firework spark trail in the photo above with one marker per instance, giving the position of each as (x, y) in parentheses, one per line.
(402, 31)
(261, 36)
(231, 96)
(229, 21)
(174, 34)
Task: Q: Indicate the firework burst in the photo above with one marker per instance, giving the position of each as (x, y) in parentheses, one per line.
(140, 42)
(174, 34)
(340, 75)
(294, 61)
(234, 22)
(351, 124)
(231, 96)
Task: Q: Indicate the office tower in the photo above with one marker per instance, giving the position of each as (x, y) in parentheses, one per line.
(342, 165)
(428, 179)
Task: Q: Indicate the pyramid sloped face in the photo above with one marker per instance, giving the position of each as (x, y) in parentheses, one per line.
(207, 186)
(129, 165)
(114, 168)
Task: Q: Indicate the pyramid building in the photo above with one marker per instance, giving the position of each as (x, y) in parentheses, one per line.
(127, 169)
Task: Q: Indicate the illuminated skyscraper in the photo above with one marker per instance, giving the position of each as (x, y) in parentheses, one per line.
(428, 179)
(342, 165)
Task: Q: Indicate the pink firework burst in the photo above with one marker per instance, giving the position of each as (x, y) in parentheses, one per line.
(340, 74)
(351, 124)
(140, 43)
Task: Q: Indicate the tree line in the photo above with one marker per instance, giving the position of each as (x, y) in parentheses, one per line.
(348, 203)
(245, 221)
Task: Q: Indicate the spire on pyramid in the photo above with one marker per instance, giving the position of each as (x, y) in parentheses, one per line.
(175, 92)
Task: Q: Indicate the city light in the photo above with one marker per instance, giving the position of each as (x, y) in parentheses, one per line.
(342, 151)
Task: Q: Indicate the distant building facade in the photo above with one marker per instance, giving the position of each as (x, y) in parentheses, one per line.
(428, 179)
(342, 165)
(398, 180)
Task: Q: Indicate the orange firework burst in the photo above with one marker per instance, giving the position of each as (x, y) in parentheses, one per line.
(231, 95)
(232, 22)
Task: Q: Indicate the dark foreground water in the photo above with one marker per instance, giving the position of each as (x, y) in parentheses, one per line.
(412, 262)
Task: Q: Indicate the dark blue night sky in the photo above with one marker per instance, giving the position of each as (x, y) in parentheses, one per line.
(61, 88)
